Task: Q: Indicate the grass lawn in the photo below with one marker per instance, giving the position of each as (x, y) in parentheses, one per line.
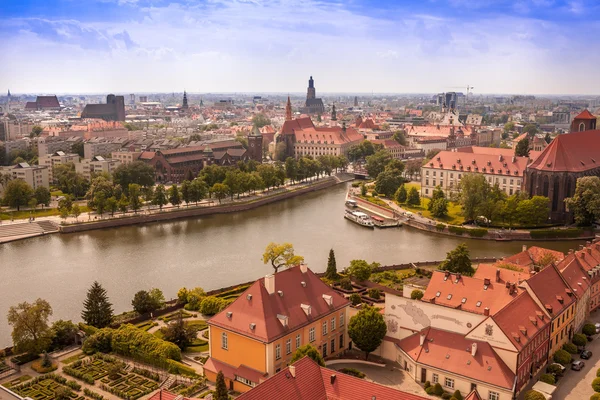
(73, 358)
(16, 381)
(392, 279)
(454, 216)
(197, 346)
(24, 214)
(199, 324)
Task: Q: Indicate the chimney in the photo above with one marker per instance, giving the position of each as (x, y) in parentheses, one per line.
(498, 275)
(486, 281)
(332, 379)
(486, 311)
(421, 339)
(292, 369)
(474, 349)
(303, 268)
(270, 283)
(524, 247)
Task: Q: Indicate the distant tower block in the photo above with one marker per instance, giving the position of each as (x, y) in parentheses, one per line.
(132, 99)
(355, 101)
(333, 114)
(185, 101)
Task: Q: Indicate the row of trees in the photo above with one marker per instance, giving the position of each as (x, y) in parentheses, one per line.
(18, 193)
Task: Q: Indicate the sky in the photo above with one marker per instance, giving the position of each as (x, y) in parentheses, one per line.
(355, 46)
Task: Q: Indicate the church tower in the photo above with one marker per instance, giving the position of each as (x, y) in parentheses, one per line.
(255, 140)
(311, 93)
(185, 101)
(333, 116)
(288, 110)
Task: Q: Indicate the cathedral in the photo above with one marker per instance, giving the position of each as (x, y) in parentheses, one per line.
(313, 104)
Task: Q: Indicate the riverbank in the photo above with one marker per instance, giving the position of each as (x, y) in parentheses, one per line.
(392, 210)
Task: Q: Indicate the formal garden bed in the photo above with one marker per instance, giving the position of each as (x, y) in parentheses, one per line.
(3, 367)
(146, 325)
(16, 381)
(49, 387)
(73, 358)
(173, 316)
(393, 279)
(188, 387)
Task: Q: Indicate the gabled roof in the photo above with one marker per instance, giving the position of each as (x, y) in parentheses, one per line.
(588, 257)
(521, 320)
(295, 295)
(585, 114)
(572, 152)
(479, 162)
(551, 290)
(533, 255)
(575, 274)
(305, 131)
(309, 381)
(165, 395)
(229, 371)
(502, 272)
(447, 351)
(473, 395)
(469, 294)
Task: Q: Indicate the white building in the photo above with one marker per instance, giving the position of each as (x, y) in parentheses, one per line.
(96, 165)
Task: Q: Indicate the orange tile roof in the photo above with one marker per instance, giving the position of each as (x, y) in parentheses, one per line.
(491, 271)
(229, 371)
(469, 294)
(574, 272)
(309, 381)
(268, 311)
(588, 257)
(478, 162)
(550, 288)
(585, 114)
(473, 395)
(446, 351)
(521, 320)
(165, 395)
(573, 152)
(533, 255)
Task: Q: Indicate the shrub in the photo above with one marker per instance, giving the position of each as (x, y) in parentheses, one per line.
(74, 385)
(570, 347)
(416, 294)
(374, 293)
(554, 369)
(353, 372)
(562, 357)
(148, 374)
(39, 368)
(595, 396)
(211, 305)
(579, 339)
(128, 339)
(596, 384)
(93, 395)
(534, 395)
(175, 367)
(346, 284)
(355, 299)
(429, 390)
(477, 232)
(438, 390)
(75, 373)
(427, 384)
(555, 233)
(440, 227)
(598, 373)
(25, 358)
(457, 395)
(548, 378)
(457, 230)
(446, 396)
(100, 341)
(589, 329)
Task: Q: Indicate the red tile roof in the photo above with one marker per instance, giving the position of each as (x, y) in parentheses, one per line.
(492, 271)
(589, 257)
(164, 395)
(268, 311)
(368, 124)
(479, 162)
(309, 381)
(521, 320)
(473, 395)
(231, 372)
(446, 351)
(549, 287)
(585, 114)
(574, 272)
(533, 255)
(572, 152)
(468, 294)
(305, 131)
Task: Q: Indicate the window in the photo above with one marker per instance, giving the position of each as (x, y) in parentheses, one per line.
(278, 352)
(288, 346)
(333, 324)
(435, 378)
(324, 328)
(245, 381)
(342, 319)
(449, 383)
(297, 341)
(426, 172)
(341, 340)
(324, 349)
(224, 340)
(494, 396)
(332, 347)
(311, 335)
(433, 173)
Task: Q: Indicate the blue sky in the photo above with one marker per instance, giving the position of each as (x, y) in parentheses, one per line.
(497, 46)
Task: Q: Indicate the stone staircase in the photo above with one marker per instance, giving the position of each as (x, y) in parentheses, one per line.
(27, 229)
(168, 383)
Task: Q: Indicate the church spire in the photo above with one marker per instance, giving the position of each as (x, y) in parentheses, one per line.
(288, 110)
(185, 101)
(333, 114)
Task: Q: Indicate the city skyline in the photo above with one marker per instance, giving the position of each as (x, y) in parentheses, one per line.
(228, 46)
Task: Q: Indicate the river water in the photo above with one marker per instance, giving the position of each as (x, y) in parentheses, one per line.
(210, 252)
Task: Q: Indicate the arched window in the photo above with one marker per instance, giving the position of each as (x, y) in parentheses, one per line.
(581, 127)
(555, 195)
(545, 186)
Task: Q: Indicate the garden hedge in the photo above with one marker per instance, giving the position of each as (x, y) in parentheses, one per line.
(596, 385)
(534, 395)
(570, 347)
(589, 329)
(556, 233)
(548, 378)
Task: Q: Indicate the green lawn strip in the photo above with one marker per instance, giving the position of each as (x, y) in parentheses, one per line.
(16, 381)
(392, 279)
(199, 324)
(73, 358)
(23, 214)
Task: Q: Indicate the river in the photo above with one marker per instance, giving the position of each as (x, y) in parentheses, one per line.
(210, 252)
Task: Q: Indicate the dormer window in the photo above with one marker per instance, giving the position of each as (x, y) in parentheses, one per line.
(438, 294)
(478, 304)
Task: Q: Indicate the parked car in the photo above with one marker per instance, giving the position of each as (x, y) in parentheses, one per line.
(597, 324)
(577, 365)
(555, 366)
(586, 354)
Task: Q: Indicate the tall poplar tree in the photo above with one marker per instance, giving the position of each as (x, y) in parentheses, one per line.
(221, 388)
(97, 310)
(331, 272)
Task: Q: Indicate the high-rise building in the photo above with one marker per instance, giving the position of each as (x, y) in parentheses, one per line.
(313, 104)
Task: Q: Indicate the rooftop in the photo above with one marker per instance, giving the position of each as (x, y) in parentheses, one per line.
(572, 152)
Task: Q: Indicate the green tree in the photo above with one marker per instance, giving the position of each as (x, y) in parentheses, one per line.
(221, 389)
(579, 339)
(534, 211)
(534, 395)
(212, 174)
(530, 129)
(42, 194)
(220, 191)
(63, 333)
(36, 131)
(458, 261)
(388, 182)
(401, 194)
(363, 189)
(376, 163)
(291, 168)
(69, 181)
(438, 193)
(367, 329)
(331, 272)
(596, 385)
(259, 120)
(562, 357)
(160, 196)
(360, 270)
(585, 203)
(473, 191)
(522, 148)
(31, 332)
(135, 203)
(416, 294)
(179, 333)
(310, 351)
(157, 296)
(123, 203)
(32, 203)
(137, 172)
(78, 148)
(589, 329)
(198, 190)
(439, 207)
(17, 193)
(97, 309)
(413, 197)
(143, 303)
(233, 180)
(76, 211)
(174, 195)
(186, 193)
(281, 255)
(112, 205)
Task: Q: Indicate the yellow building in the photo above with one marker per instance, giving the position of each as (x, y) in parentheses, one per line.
(553, 294)
(257, 335)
